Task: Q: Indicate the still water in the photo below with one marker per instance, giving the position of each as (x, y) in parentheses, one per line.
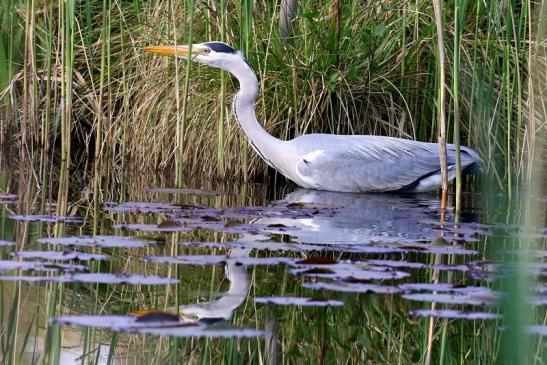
(246, 274)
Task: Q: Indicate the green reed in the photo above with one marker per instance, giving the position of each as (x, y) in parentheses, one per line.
(222, 97)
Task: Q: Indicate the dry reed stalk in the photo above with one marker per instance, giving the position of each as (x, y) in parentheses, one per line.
(441, 101)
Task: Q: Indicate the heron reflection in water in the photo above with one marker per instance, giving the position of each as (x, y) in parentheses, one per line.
(223, 308)
(362, 218)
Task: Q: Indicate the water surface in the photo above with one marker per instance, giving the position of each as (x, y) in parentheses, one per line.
(149, 273)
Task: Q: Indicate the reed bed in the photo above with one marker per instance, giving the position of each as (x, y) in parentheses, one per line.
(76, 85)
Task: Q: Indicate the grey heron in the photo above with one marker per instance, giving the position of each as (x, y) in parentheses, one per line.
(341, 163)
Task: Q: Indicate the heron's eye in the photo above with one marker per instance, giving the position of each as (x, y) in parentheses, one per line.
(206, 51)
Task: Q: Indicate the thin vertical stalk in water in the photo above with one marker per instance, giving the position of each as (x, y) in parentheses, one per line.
(180, 139)
(508, 88)
(48, 101)
(246, 19)
(441, 100)
(67, 34)
(222, 116)
(458, 16)
(179, 127)
(105, 34)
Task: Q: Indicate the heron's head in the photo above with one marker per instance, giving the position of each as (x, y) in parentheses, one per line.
(216, 54)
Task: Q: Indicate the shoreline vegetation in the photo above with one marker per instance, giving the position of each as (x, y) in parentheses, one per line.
(75, 85)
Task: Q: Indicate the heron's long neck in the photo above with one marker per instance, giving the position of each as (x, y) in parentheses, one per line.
(265, 145)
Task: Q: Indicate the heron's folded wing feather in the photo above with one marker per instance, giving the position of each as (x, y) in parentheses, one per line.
(369, 166)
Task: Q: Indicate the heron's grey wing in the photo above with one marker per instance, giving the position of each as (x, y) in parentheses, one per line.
(371, 164)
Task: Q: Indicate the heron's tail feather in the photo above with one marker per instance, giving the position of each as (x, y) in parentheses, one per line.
(475, 165)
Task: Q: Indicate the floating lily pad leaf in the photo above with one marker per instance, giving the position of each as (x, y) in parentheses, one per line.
(397, 264)
(257, 261)
(95, 278)
(120, 323)
(256, 245)
(130, 324)
(58, 255)
(6, 243)
(187, 191)
(188, 260)
(152, 227)
(8, 198)
(485, 270)
(317, 260)
(98, 241)
(218, 259)
(141, 207)
(442, 267)
(299, 301)
(454, 314)
(341, 286)
(48, 218)
(346, 271)
(444, 287)
(537, 300)
(7, 265)
(537, 330)
(438, 249)
(541, 289)
(208, 245)
(238, 228)
(206, 331)
(107, 278)
(471, 299)
(366, 249)
(30, 278)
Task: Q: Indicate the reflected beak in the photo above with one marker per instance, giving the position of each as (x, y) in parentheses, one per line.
(179, 51)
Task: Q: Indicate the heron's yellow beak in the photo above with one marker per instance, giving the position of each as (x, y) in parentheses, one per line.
(179, 51)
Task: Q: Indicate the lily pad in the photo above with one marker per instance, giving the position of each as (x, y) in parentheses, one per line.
(59, 255)
(98, 241)
(8, 265)
(141, 207)
(218, 259)
(299, 301)
(396, 264)
(347, 270)
(8, 198)
(152, 227)
(131, 324)
(454, 314)
(445, 287)
(6, 243)
(259, 245)
(438, 249)
(341, 286)
(537, 330)
(47, 218)
(100, 278)
(471, 299)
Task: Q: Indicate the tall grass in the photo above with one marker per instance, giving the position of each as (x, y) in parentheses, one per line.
(73, 76)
